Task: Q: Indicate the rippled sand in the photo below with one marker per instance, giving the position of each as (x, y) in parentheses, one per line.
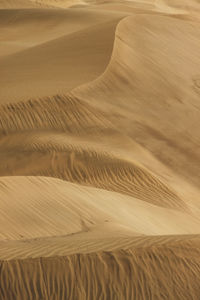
(99, 149)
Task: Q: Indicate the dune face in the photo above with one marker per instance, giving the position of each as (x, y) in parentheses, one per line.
(99, 149)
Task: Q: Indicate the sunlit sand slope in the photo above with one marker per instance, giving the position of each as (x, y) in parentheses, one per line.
(153, 78)
(78, 210)
(99, 150)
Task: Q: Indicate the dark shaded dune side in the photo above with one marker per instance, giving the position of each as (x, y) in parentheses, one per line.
(60, 64)
(91, 168)
(146, 273)
(21, 29)
(58, 113)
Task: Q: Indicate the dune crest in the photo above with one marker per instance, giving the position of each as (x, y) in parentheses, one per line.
(99, 149)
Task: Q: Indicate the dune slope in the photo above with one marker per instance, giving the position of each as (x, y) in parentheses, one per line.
(155, 67)
(107, 275)
(99, 150)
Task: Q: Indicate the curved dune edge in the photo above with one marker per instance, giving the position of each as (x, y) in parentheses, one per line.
(123, 223)
(67, 24)
(79, 165)
(176, 92)
(44, 68)
(180, 15)
(22, 61)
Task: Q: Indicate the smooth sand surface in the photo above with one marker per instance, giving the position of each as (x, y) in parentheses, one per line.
(99, 150)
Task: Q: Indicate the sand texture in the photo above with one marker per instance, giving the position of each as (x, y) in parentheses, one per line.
(99, 150)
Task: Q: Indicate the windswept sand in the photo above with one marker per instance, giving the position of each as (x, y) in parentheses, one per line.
(99, 150)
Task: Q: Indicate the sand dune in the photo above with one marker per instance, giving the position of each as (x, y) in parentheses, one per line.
(99, 149)
(166, 84)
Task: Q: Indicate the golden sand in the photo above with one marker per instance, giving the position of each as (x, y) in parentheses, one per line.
(99, 150)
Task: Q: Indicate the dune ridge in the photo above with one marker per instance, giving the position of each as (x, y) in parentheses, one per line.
(119, 78)
(99, 150)
(128, 268)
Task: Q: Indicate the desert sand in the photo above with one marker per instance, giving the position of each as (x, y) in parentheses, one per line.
(99, 150)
